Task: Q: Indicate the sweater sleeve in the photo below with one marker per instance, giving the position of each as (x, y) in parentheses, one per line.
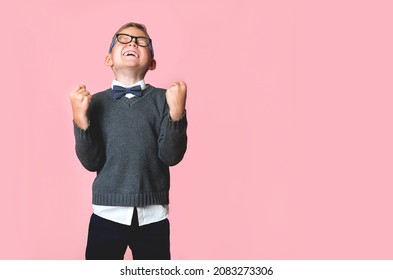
(88, 145)
(172, 143)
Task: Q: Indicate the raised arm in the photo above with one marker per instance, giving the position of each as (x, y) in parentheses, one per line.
(173, 135)
(88, 144)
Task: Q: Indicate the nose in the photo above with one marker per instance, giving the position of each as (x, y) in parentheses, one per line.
(133, 42)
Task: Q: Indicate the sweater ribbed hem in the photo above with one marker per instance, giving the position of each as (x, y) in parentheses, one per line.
(136, 200)
(179, 125)
(82, 134)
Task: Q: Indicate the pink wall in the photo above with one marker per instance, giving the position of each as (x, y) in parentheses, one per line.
(290, 125)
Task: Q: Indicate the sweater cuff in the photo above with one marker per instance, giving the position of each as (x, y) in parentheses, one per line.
(82, 134)
(180, 124)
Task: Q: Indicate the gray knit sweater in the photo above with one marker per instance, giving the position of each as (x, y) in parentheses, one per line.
(131, 143)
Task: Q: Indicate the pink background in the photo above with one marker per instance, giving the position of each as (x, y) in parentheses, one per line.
(290, 125)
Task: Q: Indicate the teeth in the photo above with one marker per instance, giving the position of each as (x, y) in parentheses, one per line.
(129, 53)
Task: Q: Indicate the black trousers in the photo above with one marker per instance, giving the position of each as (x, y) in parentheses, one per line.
(109, 240)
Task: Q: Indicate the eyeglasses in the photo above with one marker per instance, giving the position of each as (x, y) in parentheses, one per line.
(140, 41)
(126, 39)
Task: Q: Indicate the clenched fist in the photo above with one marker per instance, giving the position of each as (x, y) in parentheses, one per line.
(176, 99)
(80, 101)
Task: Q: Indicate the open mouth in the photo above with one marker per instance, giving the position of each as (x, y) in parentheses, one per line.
(131, 53)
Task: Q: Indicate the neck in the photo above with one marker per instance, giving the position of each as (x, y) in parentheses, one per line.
(129, 78)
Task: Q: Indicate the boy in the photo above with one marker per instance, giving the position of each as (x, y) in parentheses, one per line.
(130, 134)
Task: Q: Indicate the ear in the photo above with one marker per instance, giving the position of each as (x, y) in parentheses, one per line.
(153, 64)
(108, 60)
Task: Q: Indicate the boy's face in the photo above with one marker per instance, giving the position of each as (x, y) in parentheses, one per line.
(130, 55)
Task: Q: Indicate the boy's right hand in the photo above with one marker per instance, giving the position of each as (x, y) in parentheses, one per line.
(80, 101)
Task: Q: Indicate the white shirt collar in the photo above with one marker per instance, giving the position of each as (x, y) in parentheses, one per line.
(141, 83)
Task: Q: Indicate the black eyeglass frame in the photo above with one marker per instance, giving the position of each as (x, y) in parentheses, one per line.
(132, 38)
(150, 44)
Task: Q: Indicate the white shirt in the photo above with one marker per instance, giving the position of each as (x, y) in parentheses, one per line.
(123, 214)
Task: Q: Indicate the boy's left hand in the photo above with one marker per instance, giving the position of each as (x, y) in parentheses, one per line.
(176, 98)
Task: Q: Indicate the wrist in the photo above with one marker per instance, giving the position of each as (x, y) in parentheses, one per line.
(176, 115)
(81, 121)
